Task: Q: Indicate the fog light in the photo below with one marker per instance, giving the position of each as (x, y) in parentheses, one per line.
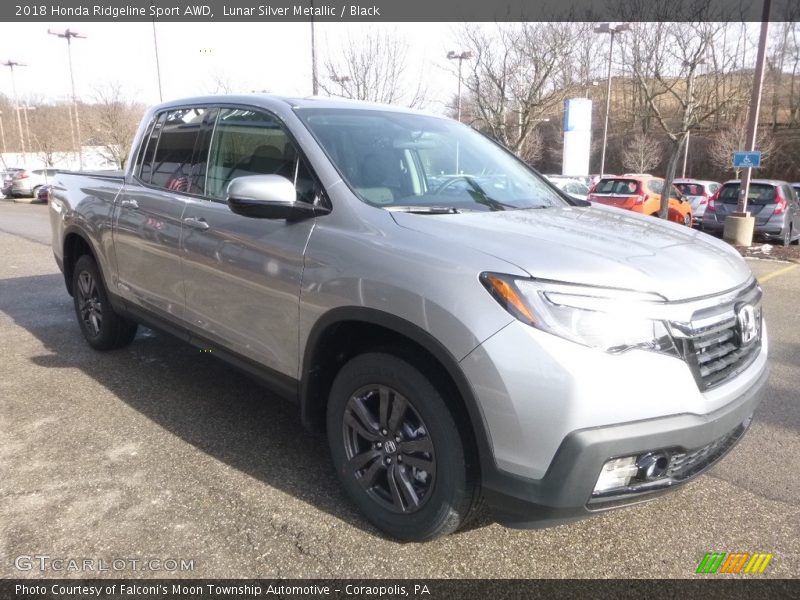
(652, 466)
(616, 473)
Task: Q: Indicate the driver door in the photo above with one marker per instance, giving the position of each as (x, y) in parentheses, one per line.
(242, 275)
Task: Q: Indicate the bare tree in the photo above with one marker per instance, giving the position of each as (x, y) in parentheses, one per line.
(730, 139)
(517, 77)
(113, 122)
(641, 154)
(50, 132)
(373, 68)
(671, 57)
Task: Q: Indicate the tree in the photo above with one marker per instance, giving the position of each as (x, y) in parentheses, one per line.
(113, 123)
(518, 75)
(733, 138)
(51, 132)
(641, 154)
(669, 57)
(373, 68)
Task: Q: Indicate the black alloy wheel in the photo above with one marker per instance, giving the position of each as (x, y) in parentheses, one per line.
(400, 449)
(388, 448)
(102, 327)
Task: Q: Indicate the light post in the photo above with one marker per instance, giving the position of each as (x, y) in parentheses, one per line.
(460, 57)
(341, 81)
(68, 35)
(612, 30)
(314, 80)
(702, 61)
(2, 139)
(25, 110)
(11, 64)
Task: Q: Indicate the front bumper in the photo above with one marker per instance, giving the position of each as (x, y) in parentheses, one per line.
(564, 494)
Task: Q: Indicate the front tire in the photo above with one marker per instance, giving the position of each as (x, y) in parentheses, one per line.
(102, 327)
(397, 449)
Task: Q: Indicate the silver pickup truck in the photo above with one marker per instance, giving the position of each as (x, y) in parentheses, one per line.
(462, 330)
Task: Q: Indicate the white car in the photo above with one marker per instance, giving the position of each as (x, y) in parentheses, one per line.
(576, 189)
(698, 193)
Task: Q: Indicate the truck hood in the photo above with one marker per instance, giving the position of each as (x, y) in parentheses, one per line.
(595, 246)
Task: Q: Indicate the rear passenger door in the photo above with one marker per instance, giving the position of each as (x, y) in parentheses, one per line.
(149, 211)
(243, 274)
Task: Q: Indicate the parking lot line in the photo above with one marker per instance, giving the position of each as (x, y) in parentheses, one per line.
(769, 276)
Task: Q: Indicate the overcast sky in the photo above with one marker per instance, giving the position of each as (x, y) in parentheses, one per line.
(249, 56)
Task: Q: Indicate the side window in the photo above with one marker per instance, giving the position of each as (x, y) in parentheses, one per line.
(655, 186)
(174, 167)
(145, 168)
(248, 142)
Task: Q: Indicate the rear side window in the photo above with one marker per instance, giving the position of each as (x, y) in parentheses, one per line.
(690, 189)
(248, 142)
(145, 169)
(759, 193)
(617, 186)
(176, 166)
(656, 186)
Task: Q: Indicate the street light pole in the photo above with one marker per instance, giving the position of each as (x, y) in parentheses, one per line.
(690, 94)
(2, 136)
(314, 79)
(610, 29)
(68, 35)
(11, 64)
(460, 57)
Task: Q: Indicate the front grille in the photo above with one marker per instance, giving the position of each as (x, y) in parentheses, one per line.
(715, 354)
(711, 343)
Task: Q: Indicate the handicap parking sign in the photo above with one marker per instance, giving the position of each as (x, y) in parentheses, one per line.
(747, 160)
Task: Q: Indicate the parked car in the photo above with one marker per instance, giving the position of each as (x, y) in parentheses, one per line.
(773, 203)
(43, 193)
(26, 183)
(642, 194)
(568, 185)
(8, 180)
(474, 336)
(698, 193)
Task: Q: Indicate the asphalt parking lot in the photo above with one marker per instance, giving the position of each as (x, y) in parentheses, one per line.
(158, 451)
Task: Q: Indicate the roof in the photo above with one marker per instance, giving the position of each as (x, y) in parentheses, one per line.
(762, 181)
(270, 101)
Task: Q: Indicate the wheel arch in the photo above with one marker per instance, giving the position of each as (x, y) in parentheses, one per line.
(75, 245)
(345, 332)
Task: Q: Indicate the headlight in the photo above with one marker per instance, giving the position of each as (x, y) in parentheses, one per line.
(609, 319)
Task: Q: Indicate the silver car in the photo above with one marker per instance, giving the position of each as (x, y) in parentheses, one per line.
(774, 205)
(460, 329)
(26, 183)
(698, 193)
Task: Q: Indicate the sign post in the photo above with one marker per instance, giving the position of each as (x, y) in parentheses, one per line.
(739, 226)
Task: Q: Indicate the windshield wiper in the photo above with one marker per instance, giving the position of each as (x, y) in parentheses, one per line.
(426, 210)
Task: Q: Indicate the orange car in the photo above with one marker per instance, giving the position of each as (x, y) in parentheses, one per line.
(642, 194)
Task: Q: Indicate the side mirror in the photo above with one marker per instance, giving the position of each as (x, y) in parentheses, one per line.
(268, 197)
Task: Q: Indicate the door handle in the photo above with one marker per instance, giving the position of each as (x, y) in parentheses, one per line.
(129, 204)
(196, 223)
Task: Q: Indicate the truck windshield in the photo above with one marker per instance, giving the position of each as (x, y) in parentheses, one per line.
(402, 161)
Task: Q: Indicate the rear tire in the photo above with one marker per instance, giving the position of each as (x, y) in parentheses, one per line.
(102, 327)
(35, 191)
(787, 237)
(397, 449)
